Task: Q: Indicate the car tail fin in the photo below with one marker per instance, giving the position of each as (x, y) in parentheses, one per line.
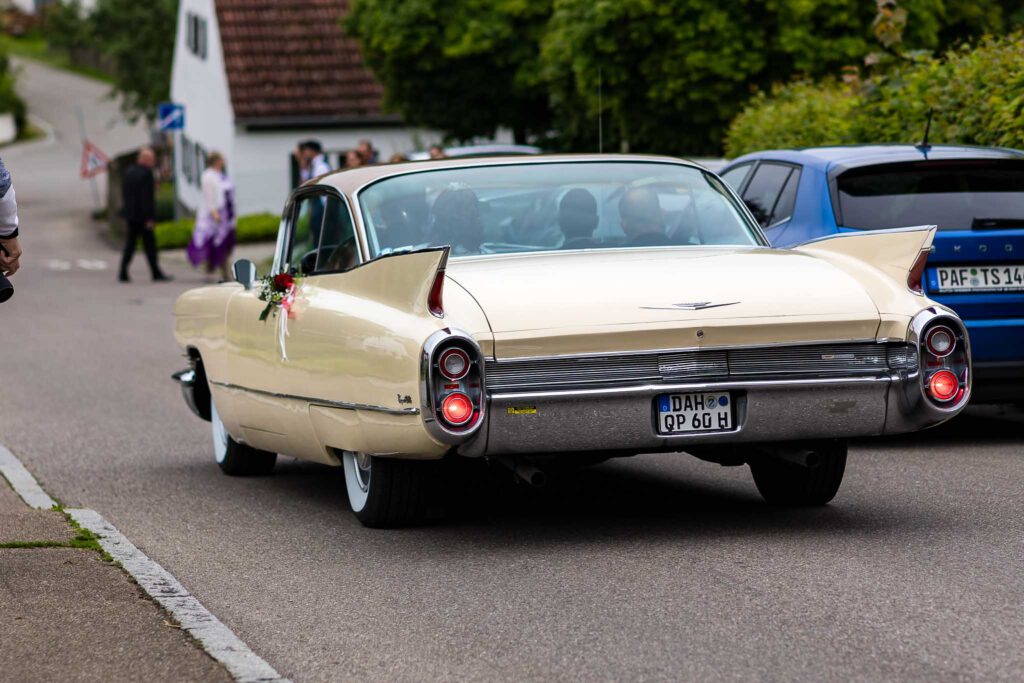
(897, 253)
(411, 281)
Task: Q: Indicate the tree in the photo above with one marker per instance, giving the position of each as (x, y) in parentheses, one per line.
(660, 75)
(466, 67)
(669, 76)
(139, 39)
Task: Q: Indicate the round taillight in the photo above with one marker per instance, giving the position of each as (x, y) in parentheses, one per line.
(453, 363)
(943, 386)
(940, 341)
(457, 409)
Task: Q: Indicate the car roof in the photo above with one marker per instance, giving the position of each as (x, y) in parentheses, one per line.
(352, 180)
(479, 151)
(842, 157)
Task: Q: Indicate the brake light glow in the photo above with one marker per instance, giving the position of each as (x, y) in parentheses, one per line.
(944, 386)
(457, 409)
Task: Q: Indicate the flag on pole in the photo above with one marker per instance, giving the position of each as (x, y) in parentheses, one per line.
(94, 161)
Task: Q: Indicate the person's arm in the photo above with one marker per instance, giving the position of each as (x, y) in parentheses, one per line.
(11, 251)
(149, 199)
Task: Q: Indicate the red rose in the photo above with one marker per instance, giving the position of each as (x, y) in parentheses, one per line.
(283, 282)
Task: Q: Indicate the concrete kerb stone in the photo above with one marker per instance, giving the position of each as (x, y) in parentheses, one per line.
(213, 636)
(216, 638)
(23, 483)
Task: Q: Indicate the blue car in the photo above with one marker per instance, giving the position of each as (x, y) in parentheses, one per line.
(975, 196)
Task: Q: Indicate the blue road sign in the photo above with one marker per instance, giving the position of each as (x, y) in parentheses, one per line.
(171, 116)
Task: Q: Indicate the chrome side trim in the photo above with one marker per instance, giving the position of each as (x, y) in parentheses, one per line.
(320, 401)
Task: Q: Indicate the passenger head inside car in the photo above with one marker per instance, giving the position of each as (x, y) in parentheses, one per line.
(641, 218)
(403, 220)
(457, 220)
(577, 218)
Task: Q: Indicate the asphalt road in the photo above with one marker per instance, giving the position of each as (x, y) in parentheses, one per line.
(658, 567)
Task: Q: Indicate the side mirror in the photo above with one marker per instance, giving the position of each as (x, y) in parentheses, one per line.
(245, 272)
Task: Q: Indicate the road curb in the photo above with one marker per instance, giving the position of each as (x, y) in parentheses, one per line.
(216, 639)
(23, 483)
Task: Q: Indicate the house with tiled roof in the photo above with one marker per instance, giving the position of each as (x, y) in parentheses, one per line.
(258, 76)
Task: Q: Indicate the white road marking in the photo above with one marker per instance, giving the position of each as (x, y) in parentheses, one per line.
(91, 264)
(57, 264)
(216, 639)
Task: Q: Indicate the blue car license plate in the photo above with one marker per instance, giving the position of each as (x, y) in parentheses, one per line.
(696, 412)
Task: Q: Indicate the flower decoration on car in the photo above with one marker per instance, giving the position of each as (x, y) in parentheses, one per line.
(279, 293)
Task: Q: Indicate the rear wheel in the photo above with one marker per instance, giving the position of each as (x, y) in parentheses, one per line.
(235, 459)
(387, 492)
(788, 482)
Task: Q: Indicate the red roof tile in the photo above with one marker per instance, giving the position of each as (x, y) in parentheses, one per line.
(291, 61)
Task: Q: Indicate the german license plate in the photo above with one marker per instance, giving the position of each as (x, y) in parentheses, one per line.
(698, 412)
(998, 278)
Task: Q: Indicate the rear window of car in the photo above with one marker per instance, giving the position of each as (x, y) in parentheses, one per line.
(954, 195)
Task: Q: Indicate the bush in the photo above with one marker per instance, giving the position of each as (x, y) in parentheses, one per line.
(800, 114)
(10, 101)
(260, 227)
(164, 201)
(975, 92)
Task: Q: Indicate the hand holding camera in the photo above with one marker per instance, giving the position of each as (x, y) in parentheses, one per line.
(8, 264)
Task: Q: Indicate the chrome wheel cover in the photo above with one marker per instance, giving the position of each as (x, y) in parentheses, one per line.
(358, 468)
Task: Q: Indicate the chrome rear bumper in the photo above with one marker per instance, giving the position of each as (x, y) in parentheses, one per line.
(623, 419)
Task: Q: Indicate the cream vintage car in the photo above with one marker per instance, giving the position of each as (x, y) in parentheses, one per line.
(567, 308)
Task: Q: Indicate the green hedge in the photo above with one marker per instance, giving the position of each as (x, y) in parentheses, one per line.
(976, 93)
(260, 227)
(10, 101)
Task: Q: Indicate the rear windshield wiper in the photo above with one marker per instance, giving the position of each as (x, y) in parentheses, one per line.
(996, 223)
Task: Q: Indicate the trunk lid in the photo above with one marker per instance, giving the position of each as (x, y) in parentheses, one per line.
(630, 300)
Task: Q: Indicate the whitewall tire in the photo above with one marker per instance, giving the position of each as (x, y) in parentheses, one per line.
(237, 459)
(387, 492)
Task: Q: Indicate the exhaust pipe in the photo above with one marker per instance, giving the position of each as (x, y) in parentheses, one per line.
(524, 471)
(808, 459)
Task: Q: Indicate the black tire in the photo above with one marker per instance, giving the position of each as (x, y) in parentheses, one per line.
(235, 459)
(781, 482)
(386, 493)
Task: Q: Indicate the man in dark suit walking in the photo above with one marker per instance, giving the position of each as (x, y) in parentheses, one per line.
(138, 192)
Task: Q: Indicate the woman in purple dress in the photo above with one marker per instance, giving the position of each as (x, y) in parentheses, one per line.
(214, 236)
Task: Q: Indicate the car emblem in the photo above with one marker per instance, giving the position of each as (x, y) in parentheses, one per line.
(956, 248)
(694, 306)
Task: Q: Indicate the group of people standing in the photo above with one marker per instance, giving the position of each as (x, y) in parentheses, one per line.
(213, 238)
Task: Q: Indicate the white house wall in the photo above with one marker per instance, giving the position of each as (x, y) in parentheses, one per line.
(261, 166)
(202, 86)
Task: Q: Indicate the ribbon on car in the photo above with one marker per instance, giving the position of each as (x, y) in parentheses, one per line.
(287, 301)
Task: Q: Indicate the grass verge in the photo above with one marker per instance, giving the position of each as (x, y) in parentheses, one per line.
(36, 47)
(260, 227)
